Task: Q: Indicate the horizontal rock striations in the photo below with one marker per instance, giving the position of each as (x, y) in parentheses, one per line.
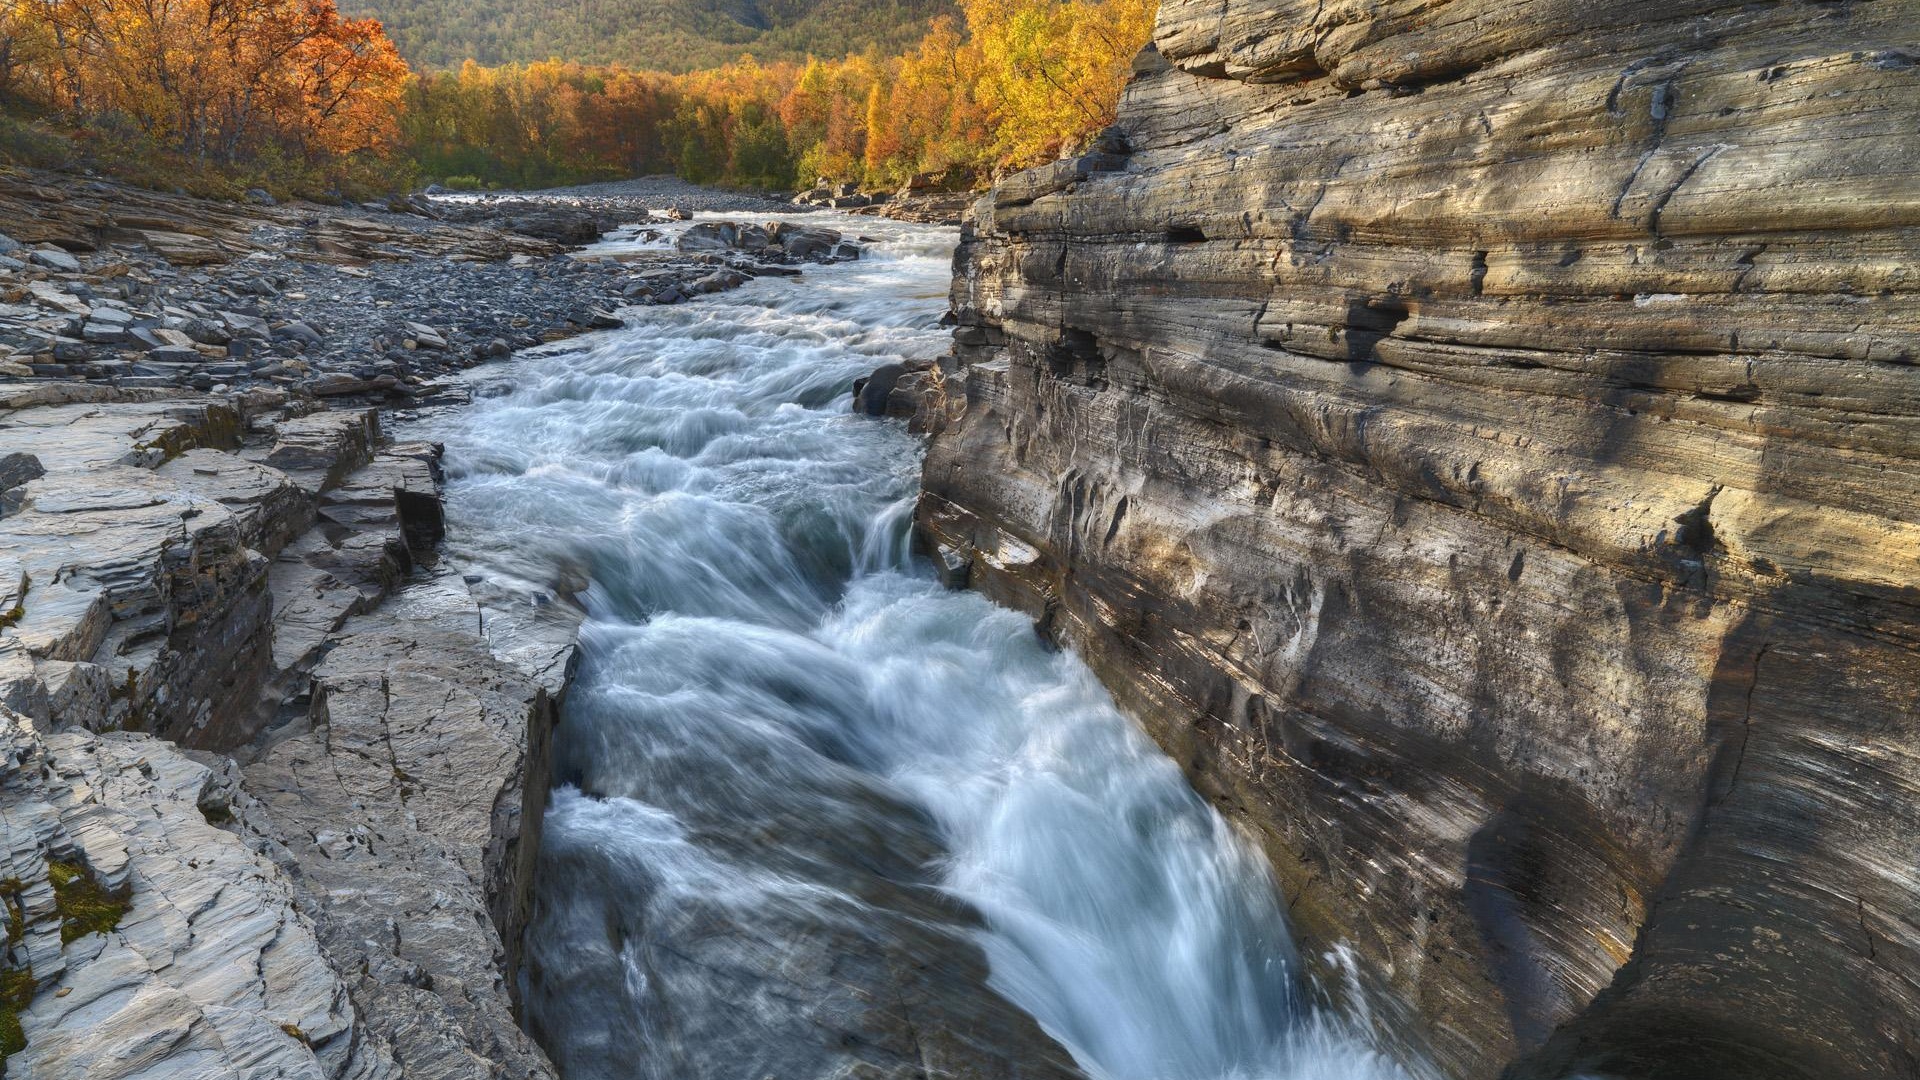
(1480, 441)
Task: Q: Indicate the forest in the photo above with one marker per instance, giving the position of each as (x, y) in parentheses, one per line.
(654, 35)
(220, 96)
(197, 92)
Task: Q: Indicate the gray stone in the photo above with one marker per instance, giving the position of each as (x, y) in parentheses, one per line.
(211, 971)
(204, 331)
(299, 331)
(352, 921)
(239, 325)
(425, 337)
(55, 259)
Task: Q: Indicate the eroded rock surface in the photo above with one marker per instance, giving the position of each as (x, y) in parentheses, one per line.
(400, 796)
(210, 968)
(243, 576)
(1480, 441)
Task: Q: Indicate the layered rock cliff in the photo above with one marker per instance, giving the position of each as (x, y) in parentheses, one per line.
(1481, 441)
(269, 793)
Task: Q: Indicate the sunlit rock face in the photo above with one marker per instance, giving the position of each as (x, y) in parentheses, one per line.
(1479, 440)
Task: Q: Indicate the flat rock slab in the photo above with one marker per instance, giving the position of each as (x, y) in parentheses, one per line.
(401, 795)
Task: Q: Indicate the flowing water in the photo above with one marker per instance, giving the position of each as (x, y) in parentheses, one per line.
(790, 750)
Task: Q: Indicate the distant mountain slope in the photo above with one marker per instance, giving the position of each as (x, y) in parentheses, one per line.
(668, 35)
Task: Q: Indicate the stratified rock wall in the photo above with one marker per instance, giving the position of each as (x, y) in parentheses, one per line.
(239, 574)
(1479, 440)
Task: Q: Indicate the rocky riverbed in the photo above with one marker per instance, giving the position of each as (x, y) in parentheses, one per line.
(273, 763)
(123, 287)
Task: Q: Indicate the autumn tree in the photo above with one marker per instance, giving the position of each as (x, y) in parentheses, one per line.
(1051, 73)
(222, 83)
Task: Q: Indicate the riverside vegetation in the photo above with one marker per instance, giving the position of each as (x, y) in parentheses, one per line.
(291, 96)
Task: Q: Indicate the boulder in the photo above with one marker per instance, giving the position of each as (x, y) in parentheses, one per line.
(723, 236)
(807, 243)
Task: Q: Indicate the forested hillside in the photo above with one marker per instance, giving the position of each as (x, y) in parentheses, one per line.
(219, 96)
(1012, 86)
(212, 94)
(661, 35)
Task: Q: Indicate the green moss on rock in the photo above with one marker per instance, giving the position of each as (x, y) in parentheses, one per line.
(16, 993)
(85, 907)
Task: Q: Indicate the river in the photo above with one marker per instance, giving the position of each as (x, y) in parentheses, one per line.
(803, 789)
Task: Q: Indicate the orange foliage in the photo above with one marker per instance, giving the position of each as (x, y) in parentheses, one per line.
(1019, 83)
(218, 80)
(244, 85)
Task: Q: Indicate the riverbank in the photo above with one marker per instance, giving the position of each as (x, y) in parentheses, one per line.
(622, 198)
(275, 761)
(114, 285)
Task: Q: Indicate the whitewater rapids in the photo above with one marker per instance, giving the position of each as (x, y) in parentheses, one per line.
(789, 744)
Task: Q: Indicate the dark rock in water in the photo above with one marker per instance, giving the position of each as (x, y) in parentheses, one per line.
(1448, 433)
(722, 236)
(706, 236)
(806, 242)
(870, 394)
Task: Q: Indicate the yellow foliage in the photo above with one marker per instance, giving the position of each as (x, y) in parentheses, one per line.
(1019, 82)
(236, 83)
(222, 81)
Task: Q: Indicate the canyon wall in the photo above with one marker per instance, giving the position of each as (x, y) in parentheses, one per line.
(1479, 441)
